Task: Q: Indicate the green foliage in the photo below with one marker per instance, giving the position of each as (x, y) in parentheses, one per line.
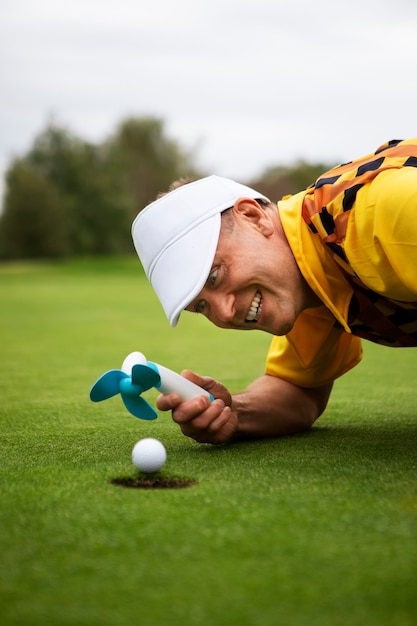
(143, 162)
(70, 197)
(283, 180)
(98, 223)
(34, 223)
(317, 529)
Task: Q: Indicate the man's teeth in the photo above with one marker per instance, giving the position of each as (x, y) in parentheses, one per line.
(255, 308)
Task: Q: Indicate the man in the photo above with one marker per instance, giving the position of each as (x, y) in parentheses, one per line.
(334, 264)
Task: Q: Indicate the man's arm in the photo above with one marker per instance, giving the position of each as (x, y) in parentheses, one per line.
(269, 407)
(272, 407)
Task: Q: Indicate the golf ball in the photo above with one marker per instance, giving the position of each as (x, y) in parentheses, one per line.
(149, 455)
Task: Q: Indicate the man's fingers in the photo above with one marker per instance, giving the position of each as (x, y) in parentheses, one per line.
(200, 411)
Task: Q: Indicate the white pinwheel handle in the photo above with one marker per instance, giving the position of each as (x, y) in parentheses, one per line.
(171, 382)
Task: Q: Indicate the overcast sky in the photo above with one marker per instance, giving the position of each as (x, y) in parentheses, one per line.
(249, 83)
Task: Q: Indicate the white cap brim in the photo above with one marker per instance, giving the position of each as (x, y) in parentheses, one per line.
(188, 271)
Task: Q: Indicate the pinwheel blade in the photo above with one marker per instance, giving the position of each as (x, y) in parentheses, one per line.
(139, 407)
(107, 385)
(145, 376)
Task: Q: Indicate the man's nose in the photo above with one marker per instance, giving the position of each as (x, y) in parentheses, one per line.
(224, 306)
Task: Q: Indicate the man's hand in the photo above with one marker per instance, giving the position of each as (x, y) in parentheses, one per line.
(202, 420)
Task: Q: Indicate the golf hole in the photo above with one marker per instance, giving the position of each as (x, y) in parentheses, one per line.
(153, 482)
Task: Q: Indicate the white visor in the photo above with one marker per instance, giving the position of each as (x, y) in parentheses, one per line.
(176, 238)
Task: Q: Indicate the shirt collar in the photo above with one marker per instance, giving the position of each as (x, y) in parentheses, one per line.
(317, 266)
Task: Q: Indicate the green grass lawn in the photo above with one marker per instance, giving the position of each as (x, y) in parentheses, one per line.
(317, 530)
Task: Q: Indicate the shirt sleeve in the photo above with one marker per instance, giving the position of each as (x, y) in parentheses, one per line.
(315, 352)
(381, 240)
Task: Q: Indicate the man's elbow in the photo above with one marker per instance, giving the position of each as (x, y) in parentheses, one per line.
(314, 407)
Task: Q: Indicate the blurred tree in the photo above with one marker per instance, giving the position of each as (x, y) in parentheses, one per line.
(279, 181)
(98, 224)
(33, 223)
(142, 161)
(70, 197)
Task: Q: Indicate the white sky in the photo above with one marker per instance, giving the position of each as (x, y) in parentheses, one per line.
(250, 83)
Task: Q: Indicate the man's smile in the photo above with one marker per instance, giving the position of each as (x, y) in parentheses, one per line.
(255, 308)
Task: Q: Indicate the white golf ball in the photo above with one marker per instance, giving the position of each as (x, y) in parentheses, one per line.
(149, 455)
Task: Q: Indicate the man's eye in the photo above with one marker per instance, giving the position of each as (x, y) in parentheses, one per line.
(199, 307)
(213, 276)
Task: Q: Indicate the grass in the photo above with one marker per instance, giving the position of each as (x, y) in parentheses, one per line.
(317, 529)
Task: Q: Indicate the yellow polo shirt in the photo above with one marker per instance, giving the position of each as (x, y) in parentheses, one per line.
(380, 242)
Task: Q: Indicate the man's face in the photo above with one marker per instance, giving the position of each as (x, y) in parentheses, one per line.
(254, 282)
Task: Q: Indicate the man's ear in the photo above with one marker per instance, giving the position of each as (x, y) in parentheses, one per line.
(252, 212)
